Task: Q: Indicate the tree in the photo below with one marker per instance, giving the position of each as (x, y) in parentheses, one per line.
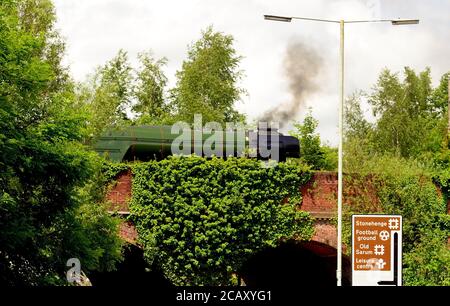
(38, 17)
(311, 151)
(108, 94)
(149, 91)
(356, 125)
(43, 166)
(358, 134)
(439, 99)
(410, 117)
(406, 116)
(116, 90)
(207, 82)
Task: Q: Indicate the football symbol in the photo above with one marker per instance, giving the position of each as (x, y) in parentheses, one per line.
(384, 235)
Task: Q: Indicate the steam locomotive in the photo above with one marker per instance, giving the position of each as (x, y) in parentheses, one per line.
(157, 142)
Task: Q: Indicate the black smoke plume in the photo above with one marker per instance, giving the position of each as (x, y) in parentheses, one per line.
(301, 65)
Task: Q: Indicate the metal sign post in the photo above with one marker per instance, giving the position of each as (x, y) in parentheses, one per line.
(376, 250)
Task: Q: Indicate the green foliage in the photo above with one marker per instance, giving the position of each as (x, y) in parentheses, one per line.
(200, 220)
(311, 151)
(207, 82)
(94, 238)
(410, 116)
(107, 95)
(117, 89)
(110, 170)
(46, 214)
(355, 125)
(439, 97)
(330, 158)
(428, 264)
(149, 90)
(405, 187)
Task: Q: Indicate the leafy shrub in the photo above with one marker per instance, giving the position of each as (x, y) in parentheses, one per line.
(200, 220)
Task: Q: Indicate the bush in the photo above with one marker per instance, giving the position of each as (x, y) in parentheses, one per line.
(200, 220)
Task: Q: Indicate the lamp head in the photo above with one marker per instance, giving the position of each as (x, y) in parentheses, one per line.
(277, 18)
(405, 21)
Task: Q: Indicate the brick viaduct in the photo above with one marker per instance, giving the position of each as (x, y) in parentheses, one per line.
(319, 198)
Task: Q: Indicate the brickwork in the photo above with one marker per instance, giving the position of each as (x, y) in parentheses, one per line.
(325, 232)
(128, 232)
(120, 194)
(320, 194)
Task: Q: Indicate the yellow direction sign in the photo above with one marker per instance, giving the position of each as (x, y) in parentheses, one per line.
(376, 250)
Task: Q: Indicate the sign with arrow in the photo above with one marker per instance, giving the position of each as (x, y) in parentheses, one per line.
(376, 250)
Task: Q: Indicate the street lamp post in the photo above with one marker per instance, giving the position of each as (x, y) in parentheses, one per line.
(341, 113)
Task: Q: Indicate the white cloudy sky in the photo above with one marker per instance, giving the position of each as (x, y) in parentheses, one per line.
(96, 29)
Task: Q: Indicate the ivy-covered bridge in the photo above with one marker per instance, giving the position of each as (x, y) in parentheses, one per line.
(319, 254)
